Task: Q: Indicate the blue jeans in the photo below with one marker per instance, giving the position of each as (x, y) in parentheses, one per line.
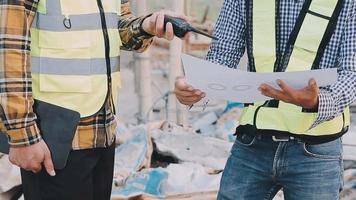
(259, 167)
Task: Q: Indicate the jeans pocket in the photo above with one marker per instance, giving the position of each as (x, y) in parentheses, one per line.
(243, 144)
(245, 140)
(329, 151)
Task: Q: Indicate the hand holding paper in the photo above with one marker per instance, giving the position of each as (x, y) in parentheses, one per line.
(185, 93)
(307, 97)
(219, 82)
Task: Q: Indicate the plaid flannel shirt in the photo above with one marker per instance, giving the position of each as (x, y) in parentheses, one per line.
(340, 52)
(18, 120)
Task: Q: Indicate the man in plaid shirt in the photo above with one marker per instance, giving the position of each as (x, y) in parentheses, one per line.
(89, 170)
(259, 166)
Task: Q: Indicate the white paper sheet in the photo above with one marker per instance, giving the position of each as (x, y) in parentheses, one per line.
(220, 82)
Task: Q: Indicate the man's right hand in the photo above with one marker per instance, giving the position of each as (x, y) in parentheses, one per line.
(186, 94)
(32, 157)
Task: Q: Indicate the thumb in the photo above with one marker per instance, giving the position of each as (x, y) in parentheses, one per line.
(48, 164)
(182, 84)
(312, 85)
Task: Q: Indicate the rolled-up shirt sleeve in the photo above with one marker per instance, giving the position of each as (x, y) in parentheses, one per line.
(132, 36)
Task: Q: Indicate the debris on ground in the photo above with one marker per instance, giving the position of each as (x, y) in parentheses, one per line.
(161, 160)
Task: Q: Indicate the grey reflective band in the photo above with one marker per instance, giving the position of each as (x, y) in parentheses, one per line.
(78, 22)
(53, 7)
(57, 66)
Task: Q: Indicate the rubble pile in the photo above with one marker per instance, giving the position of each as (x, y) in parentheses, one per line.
(190, 160)
(160, 160)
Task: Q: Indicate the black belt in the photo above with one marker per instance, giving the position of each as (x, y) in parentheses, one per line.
(283, 136)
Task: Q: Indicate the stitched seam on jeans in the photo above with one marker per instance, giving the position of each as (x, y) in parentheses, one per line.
(269, 193)
(246, 145)
(325, 157)
(342, 183)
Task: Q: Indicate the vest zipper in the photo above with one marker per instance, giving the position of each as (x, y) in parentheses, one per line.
(108, 64)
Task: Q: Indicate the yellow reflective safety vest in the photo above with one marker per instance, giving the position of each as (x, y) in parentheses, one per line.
(305, 48)
(75, 53)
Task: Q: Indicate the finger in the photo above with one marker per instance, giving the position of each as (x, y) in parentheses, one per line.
(184, 88)
(182, 85)
(183, 93)
(187, 36)
(273, 93)
(178, 15)
(36, 168)
(191, 100)
(48, 164)
(185, 103)
(13, 161)
(313, 85)
(169, 35)
(160, 25)
(189, 103)
(153, 20)
(286, 89)
(198, 93)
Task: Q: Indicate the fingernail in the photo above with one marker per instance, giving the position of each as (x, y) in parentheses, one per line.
(190, 89)
(198, 93)
(279, 82)
(52, 173)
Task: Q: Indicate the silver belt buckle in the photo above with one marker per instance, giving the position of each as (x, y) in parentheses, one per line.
(274, 138)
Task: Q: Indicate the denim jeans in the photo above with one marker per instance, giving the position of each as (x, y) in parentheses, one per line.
(259, 167)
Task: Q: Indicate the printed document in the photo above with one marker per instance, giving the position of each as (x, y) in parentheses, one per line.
(223, 83)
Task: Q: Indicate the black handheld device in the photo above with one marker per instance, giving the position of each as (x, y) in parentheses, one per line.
(181, 27)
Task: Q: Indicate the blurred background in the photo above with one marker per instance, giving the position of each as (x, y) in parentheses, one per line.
(163, 150)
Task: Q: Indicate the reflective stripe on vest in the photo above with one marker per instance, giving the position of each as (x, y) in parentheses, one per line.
(305, 48)
(69, 65)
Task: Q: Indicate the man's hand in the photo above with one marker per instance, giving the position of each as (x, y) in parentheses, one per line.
(186, 94)
(307, 97)
(30, 158)
(154, 24)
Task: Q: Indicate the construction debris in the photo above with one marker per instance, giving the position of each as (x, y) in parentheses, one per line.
(164, 161)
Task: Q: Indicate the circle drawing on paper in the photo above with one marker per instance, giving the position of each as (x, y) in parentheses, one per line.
(216, 86)
(242, 87)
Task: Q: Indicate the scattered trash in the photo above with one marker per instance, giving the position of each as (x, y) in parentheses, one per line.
(145, 182)
(174, 180)
(226, 125)
(206, 120)
(160, 160)
(133, 154)
(210, 152)
(188, 178)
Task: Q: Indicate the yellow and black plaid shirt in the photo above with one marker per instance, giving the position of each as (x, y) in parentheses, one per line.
(18, 120)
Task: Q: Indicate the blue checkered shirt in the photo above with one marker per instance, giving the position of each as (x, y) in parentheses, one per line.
(340, 52)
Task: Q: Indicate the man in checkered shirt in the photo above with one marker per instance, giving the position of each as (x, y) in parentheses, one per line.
(259, 166)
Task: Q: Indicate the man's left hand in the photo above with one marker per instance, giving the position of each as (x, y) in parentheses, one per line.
(307, 97)
(154, 24)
